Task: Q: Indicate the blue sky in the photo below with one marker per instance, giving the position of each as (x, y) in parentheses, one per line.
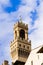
(31, 12)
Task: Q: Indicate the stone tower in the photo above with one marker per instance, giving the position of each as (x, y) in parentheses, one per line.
(20, 47)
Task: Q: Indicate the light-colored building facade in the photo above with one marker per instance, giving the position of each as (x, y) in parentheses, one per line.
(35, 57)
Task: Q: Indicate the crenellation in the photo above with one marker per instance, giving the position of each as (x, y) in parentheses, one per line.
(21, 24)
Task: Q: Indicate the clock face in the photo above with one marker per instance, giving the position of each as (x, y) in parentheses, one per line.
(22, 34)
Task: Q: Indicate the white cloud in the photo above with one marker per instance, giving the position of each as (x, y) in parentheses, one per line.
(5, 28)
(30, 3)
(5, 2)
(37, 36)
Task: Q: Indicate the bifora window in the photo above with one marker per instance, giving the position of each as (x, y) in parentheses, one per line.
(22, 34)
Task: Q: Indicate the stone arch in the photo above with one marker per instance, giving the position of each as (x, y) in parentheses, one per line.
(22, 34)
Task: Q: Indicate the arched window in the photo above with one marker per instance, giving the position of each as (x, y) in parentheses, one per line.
(22, 34)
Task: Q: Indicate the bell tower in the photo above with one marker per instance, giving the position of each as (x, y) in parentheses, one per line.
(20, 47)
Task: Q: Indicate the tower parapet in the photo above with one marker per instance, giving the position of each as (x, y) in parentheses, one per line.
(21, 24)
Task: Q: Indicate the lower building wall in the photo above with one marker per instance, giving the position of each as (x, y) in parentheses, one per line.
(35, 59)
